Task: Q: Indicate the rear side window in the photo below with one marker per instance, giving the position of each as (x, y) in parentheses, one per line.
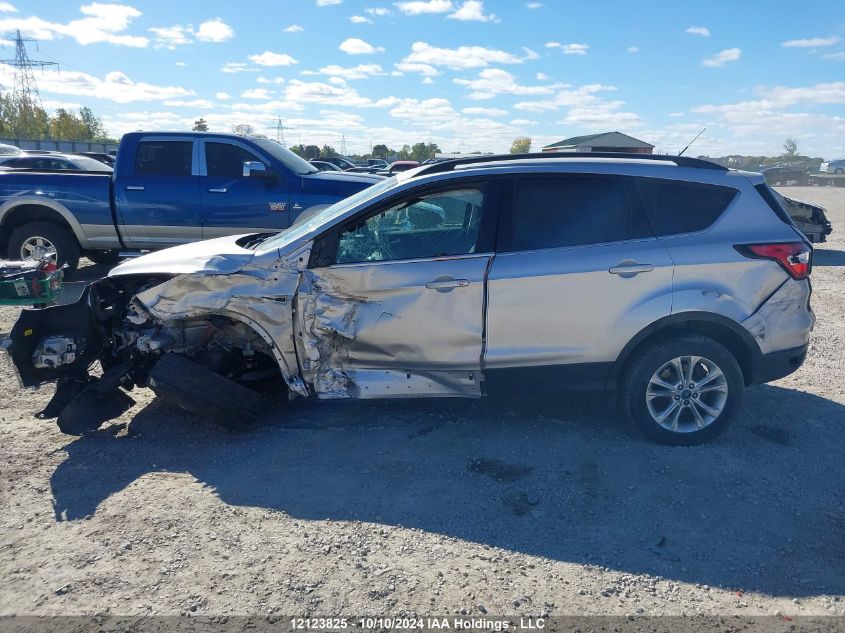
(164, 158)
(561, 211)
(683, 207)
(224, 160)
(773, 199)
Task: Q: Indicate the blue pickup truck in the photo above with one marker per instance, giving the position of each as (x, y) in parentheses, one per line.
(167, 188)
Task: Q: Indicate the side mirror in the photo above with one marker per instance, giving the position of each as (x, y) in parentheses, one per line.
(257, 169)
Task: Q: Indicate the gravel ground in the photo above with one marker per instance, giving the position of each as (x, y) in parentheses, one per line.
(508, 506)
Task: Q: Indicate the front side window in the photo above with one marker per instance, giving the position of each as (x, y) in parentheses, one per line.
(563, 211)
(164, 158)
(435, 225)
(224, 160)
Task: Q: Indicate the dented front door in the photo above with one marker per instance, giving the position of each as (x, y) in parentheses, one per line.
(379, 323)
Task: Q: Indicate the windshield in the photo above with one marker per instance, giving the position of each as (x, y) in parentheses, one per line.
(325, 216)
(282, 154)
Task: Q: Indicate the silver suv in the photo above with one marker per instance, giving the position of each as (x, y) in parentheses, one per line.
(674, 282)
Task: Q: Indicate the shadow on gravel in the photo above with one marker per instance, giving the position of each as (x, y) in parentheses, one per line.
(557, 476)
(827, 257)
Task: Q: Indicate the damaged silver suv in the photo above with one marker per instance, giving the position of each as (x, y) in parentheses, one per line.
(673, 281)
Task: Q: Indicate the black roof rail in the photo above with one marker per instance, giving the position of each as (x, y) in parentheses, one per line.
(680, 161)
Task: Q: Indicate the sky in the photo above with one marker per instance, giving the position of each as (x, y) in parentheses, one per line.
(469, 75)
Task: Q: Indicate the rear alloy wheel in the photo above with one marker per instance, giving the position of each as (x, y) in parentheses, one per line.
(682, 391)
(40, 240)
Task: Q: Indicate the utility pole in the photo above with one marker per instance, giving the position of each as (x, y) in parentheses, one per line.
(25, 93)
(343, 145)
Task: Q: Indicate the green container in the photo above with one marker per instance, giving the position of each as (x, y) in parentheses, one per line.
(42, 289)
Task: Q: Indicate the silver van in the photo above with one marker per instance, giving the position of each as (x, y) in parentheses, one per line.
(672, 281)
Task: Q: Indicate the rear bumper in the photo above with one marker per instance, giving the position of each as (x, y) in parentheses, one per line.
(776, 365)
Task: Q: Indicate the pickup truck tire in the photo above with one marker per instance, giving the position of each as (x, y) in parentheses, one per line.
(207, 395)
(45, 235)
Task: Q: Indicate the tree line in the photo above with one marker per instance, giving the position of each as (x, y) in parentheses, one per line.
(22, 119)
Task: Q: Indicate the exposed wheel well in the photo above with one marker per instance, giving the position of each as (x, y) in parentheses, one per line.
(723, 333)
(26, 213)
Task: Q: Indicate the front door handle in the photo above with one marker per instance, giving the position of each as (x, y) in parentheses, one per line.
(221, 190)
(444, 284)
(630, 268)
(134, 188)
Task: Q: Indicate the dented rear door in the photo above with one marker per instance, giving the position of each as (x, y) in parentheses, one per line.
(397, 309)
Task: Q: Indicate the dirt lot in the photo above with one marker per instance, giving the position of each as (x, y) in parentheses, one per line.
(512, 505)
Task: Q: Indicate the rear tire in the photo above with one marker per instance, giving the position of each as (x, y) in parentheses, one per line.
(692, 415)
(207, 395)
(27, 239)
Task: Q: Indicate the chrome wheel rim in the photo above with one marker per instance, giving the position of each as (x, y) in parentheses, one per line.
(687, 394)
(37, 247)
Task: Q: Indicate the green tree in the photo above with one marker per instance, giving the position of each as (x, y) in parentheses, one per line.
(312, 152)
(328, 152)
(200, 125)
(64, 125)
(243, 129)
(299, 150)
(93, 126)
(380, 151)
(790, 145)
(521, 145)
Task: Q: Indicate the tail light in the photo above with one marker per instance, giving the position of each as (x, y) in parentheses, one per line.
(794, 257)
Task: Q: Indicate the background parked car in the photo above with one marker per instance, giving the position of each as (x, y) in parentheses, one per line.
(340, 161)
(53, 162)
(324, 166)
(833, 167)
(380, 163)
(9, 150)
(786, 176)
(106, 159)
(399, 165)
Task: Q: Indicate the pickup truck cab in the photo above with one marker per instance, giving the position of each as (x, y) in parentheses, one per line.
(167, 188)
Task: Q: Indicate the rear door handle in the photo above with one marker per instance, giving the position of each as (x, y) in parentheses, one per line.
(222, 190)
(445, 285)
(134, 188)
(630, 268)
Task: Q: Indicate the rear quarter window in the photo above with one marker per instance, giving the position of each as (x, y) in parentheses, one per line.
(676, 207)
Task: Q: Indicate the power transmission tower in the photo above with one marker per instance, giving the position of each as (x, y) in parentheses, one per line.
(29, 121)
(25, 92)
(280, 132)
(343, 145)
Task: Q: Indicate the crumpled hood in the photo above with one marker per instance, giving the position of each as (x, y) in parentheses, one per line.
(221, 255)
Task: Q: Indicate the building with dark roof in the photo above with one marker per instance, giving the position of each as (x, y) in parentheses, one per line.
(604, 142)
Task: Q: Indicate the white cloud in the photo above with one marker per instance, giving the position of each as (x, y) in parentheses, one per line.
(472, 10)
(633, 49)
(413, 67)
(269, 58)
(813, 42)
(5, 7)
(237, 67)
(360, 19)
(567, 97)
(428, 81)
(171, 36)
(294, 28)
(114, 86)
(840, 56)
(379, 11)
(495, 81)
(542, 77)
(256, 93)
(333, 94)
(493, 112)
(204, 104)
(569, 49)
(722, 57)
(328, 3)
(357, 46)
(103, 23)
(418, 7)
(223, 96)
(703, 31)
(462, 57)
(361, 71)
(275, 80)
(215, 30)
(523, 122)
(534, 5)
